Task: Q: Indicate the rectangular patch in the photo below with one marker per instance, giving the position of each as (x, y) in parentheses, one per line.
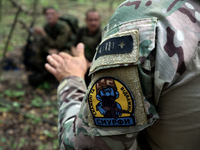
(116, 45)
(125, 50)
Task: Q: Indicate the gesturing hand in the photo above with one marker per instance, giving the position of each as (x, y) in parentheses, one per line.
(39, 31)
(64, 65)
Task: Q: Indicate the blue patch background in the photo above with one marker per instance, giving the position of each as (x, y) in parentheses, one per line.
(128, 40)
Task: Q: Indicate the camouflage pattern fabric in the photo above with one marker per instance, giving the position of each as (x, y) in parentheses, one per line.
(56, 38)
(90, 41)
(168, 62)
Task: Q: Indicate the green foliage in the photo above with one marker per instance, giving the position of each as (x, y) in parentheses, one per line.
(19, 85)
(8, 106)
(21, 99)
(16, 104)
(34, 119)
(4, 109)
(26, 128)
(45, 85)
(49, 134)
(45, 115)
(46, 3)
(22, 142)
(55, 144)
(14, 145)
(11, 139)
(42, 147)
(54, 111)
(47, 103)
(3, 139)
(14, 93)
(37, 101)
(2, 79)
(10, 48)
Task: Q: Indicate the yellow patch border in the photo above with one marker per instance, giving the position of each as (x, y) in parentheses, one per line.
(125, 114)
(132, 82)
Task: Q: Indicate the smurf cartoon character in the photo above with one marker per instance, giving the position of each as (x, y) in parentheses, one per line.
(107, 94)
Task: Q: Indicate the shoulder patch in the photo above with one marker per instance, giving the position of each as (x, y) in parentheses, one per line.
(118, 49)
(111, 103)
(116, 45)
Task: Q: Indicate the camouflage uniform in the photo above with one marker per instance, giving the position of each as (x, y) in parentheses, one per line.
(57, 38)
(90, 41)
(162, 72)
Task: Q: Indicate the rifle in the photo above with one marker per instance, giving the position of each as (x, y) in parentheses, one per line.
(106, 108)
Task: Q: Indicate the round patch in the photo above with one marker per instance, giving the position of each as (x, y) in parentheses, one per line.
(111, 103)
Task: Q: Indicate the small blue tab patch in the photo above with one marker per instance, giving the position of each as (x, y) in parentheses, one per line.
(111, 103)
(116, 45)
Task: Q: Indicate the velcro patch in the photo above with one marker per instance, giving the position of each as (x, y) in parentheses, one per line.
(111, 103)
(120, 48)
(116, 45)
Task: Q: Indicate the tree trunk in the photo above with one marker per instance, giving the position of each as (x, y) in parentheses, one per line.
(0, 10)
(8, 40)
(111, 5)
(94, 4)
(34, 17)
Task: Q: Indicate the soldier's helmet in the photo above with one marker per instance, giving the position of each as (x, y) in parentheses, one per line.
(105, 83)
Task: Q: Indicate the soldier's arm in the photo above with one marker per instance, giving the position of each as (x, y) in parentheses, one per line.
(71, 95)
(72, 103)
(133, 73)
(61, 40)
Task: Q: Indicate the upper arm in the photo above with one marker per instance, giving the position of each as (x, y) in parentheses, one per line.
(129, 73)
(124, 72)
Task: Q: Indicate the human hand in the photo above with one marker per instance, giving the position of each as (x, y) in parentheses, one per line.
(73, 52)
(89, 64)
(53, 51)
(64, 65)
(39, 31)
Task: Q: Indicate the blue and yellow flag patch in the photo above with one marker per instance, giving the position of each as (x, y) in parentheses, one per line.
(111, 103)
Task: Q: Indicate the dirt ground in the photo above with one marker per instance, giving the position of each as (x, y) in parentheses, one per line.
(28, 115)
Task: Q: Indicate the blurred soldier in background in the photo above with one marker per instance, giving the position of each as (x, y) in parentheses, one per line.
(53, 38)
(90, 36)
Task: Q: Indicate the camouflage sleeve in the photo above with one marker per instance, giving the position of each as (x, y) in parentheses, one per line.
(61, 40)
(144, 54)
(71, 95)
